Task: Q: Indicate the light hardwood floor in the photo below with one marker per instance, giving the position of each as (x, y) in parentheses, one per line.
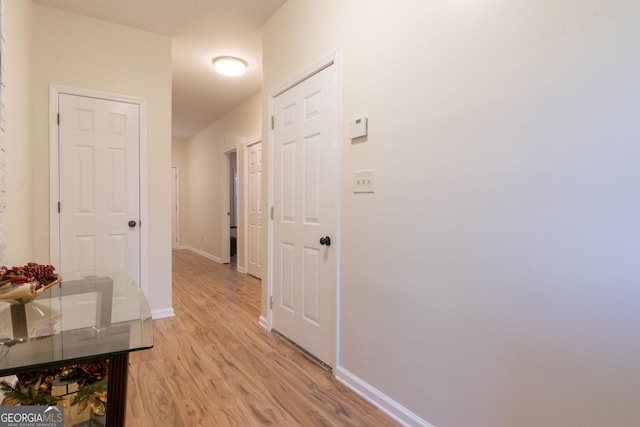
(213, 365)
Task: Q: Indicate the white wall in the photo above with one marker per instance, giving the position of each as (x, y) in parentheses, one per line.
(204, 175)
(17, 27)
(492, 279)
(78, 51)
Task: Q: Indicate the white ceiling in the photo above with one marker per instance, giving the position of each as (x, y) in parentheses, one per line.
(200, 30)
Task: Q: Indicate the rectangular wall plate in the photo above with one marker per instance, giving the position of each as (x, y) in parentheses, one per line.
(363, 181)
(358, 128)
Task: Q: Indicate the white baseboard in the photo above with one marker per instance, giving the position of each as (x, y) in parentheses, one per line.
(242, 270)
(263, 322)
(162, 313)
(379, 399)
(204, 254)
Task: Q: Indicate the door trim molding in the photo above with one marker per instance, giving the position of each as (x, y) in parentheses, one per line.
(55, 91)
(176, 209)
(332, 58)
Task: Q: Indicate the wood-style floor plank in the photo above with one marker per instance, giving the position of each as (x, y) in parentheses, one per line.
(213, 365)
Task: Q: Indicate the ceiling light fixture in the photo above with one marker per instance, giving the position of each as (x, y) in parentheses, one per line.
(230, 65)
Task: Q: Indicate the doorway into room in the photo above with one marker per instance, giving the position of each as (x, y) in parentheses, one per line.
(95, 173)
(175, 206)
(233, 203)
(230, 195)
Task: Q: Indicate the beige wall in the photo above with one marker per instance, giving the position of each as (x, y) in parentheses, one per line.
(202, 215)
(492, 279)
(82, 52)
(17, 27)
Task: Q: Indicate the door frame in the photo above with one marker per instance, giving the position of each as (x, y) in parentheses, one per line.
(225, 224)
(332, 58)
(245, 200)
(55, 91)
(175, 208)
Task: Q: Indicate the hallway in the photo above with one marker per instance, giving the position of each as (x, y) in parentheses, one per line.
(213, 365)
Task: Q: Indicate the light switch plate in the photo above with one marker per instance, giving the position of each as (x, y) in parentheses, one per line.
(363, 181)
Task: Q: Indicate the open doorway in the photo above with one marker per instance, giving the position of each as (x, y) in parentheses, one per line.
(229, 244)
(233, 204)
(175, 213)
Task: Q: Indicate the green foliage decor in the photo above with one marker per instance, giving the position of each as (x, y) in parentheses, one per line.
(35, 388)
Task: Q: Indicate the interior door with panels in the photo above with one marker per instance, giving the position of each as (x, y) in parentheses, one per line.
(99, 157)
(254, 163)
(305, 188)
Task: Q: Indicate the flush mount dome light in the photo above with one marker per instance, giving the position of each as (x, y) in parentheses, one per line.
(230, 65)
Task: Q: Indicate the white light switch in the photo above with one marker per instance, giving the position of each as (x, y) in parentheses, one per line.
(363, 181)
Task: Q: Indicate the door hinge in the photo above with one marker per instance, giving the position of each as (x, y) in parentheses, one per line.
(271, 213)
(58, 119)
(273, 122)
(271, 303)
(58, 206)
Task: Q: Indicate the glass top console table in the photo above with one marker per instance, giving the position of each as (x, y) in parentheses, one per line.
(87, 317)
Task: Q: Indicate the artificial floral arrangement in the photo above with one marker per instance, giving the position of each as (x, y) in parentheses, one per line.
(21, 284)
(35, 388)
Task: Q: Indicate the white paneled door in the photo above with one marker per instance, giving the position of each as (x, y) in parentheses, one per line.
(99, 151)
(254, 163)
(305, 161)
